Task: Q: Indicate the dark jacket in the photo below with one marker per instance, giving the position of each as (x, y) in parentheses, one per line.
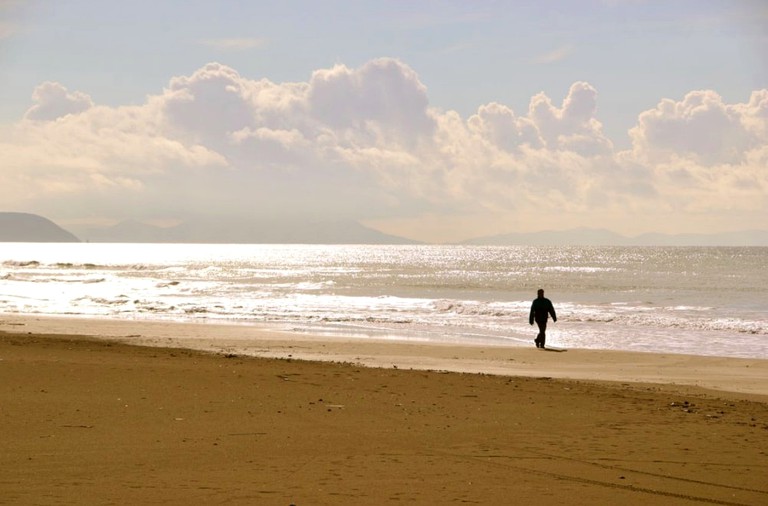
(540, 308)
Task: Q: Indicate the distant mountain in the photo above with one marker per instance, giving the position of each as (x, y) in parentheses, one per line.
(239, 231)
(743, 238)
(126, 231)
(580, 236)
(24, 227)
(602, 237)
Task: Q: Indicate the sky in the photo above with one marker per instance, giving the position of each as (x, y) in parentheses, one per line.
(432, 120)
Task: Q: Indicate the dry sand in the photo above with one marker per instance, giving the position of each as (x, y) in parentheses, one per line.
(86, 421)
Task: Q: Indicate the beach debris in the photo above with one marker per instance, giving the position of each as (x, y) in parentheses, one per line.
(685, 406)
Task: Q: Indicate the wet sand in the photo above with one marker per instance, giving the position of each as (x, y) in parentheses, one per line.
(102, 421)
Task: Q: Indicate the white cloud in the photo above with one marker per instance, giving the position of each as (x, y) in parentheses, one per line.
(364, 142)
(573, 126)
(556, 55)
(498, 124)
(52, 100)
(707, 156)
(382, 97)
(702, 127)
(208, 105)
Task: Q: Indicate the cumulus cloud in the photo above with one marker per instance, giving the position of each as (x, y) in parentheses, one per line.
(52, 100)
(570, 127)
(573, 126)
(706, 156)
(208, 105)
(382, 98)
(702, 127)
(364, 143)
(499, 125)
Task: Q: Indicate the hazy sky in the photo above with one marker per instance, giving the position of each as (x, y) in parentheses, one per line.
(434, 120)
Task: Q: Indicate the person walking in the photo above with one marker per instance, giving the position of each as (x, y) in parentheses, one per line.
(540, 311)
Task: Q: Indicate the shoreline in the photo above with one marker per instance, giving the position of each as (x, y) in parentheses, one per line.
(746, 378)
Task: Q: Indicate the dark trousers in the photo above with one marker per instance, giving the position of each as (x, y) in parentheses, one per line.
(542, 337)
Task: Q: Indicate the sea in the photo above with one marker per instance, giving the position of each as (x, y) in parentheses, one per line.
(688, 300)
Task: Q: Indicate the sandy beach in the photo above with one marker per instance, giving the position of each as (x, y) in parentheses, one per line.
(89, 417)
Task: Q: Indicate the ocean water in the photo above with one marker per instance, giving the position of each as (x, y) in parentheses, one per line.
(703, 301)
